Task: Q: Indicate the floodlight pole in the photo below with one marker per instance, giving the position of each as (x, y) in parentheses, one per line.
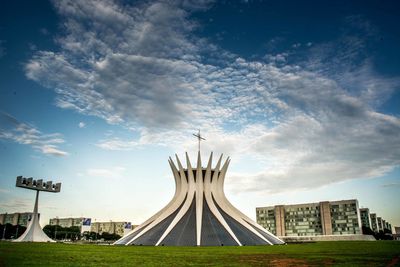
(35, 208)
(34, 232)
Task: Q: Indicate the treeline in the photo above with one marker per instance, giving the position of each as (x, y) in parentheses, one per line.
(57, 232)
(9, 231)
(381, 235)
(104, 236)
(73, 233)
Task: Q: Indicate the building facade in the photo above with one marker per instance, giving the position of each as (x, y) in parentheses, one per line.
(365, 218)
(312, 219)
(67, 222)
(380, 224)
(85, 224)
(374, 222)
(389, 227)
(384, 225)
(16, 218)
(118, 228)
(396, 235)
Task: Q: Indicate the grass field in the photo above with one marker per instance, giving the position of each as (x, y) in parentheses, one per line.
(342, 253)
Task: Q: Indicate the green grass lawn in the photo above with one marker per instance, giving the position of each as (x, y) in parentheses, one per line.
(341, 253)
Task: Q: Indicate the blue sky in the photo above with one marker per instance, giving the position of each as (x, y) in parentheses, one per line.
(303, 96)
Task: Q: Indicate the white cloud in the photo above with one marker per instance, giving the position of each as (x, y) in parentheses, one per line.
(52, 150)
(391, 185)
(13, 205)
(310, 124)
(115, 172)
(22, 133)
(4, 191)
(117, 144)
(296, 45)
(81, 124)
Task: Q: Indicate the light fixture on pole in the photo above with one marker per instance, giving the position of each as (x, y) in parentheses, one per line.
(34, 232)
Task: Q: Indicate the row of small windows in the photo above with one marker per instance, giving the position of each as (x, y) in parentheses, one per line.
(310, 210)
(310, 224)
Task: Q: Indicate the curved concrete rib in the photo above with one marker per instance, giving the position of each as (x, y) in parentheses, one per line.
(207, 193)
(187, 203)
(220, 188)
(178, 189)
(181, 194)
(225, 205)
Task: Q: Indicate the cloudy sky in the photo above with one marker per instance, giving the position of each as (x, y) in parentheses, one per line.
(303, 96)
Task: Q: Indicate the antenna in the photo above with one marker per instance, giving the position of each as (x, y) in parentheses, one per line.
(199, 137)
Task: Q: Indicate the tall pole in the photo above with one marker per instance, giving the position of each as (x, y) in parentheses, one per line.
(35, 209)
(4, 231)
(35, 217)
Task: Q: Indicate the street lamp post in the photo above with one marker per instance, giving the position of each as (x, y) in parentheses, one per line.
(34, 232)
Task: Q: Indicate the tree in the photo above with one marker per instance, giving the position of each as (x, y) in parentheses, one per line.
(58, 232)
(108, 236)
(9, 231)
(367, 231)
(383, 235)
(90, 235)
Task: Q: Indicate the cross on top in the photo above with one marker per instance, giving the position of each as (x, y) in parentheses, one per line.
(199, 137)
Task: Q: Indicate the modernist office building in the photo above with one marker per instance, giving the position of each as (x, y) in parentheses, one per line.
(67, 222)
(365, 218)
(312, 219)
(380, 223)
(396, 235)
(119, 228)
(389, 227)
(16, 218)
(374, 222)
